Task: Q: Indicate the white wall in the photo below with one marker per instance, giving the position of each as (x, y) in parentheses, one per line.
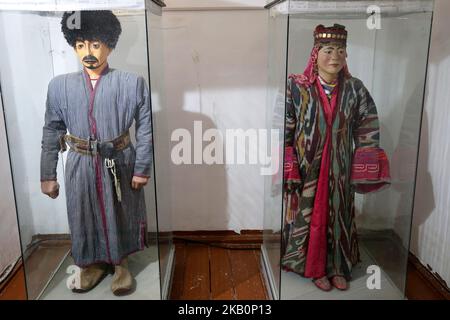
(431, 224)
(215, 72)
(9, 233)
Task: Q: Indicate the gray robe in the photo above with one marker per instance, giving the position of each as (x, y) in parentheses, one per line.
(102, 229)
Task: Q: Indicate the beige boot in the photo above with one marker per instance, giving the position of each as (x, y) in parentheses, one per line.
(91, 276)
(122, 281)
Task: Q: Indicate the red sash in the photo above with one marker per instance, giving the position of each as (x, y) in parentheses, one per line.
(316, 258)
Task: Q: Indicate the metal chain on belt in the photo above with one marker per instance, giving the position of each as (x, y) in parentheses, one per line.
(111, 165)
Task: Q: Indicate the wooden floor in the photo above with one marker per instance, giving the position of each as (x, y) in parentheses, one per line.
(205, 272)
(421, 284)
(15, 289)
(42, 263)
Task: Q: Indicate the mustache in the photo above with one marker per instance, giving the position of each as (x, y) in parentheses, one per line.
(90, 59)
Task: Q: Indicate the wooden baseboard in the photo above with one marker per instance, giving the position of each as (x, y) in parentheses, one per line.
(205, 236)
(247, 239)
(437, 285)
(65, 238)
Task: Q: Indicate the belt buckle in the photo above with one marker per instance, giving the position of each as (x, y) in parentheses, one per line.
(93, 146)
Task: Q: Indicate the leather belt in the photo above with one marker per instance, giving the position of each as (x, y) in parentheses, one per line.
(93, 147)
(106, 149)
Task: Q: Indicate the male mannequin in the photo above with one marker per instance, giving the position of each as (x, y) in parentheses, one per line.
(104, 173)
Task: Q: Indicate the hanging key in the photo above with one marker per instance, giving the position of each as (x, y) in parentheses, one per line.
(111, 165)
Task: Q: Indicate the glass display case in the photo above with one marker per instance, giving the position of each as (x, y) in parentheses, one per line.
(334, 223)
(97, 237)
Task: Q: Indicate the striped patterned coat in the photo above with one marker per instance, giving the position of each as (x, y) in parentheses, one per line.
(354, 127)
(102, 229)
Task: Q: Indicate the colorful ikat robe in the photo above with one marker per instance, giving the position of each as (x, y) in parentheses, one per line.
(356, 163)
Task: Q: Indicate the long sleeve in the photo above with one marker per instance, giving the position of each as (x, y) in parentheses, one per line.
(291, 165)
(54, 129)
(291, 119)
(366, 131)
(144, 144)
(370, 165)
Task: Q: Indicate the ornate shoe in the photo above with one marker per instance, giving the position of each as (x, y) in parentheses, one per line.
(122, 282)
(323, 284)
(91, 276)
(339, 282)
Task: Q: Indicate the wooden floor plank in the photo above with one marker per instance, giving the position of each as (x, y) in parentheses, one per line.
(222, 286)
(246, 275)
(419, 289)
(196, 273)
(15, 289)
(257, 254)
(42, 263)
(178, 272)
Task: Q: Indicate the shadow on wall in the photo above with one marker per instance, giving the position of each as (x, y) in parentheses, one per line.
(424, 207)
(434, 140)
(202, 187)
(210, 78)
(404, 167)
(398, 199)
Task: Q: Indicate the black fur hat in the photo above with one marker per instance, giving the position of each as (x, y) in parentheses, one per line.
(100, 25)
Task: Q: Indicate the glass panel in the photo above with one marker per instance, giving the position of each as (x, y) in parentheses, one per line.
(156, 53)
(35, 53)
(209, 176)
(10, 250)
(278, 30)
(70, 5)
(38, 215)
(395, 81)
(385, 217)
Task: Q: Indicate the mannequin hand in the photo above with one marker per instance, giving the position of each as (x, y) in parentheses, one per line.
(50, 188)
(138, 182)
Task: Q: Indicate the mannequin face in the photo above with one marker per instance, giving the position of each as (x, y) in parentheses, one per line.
(331, 59)
(92, 54)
